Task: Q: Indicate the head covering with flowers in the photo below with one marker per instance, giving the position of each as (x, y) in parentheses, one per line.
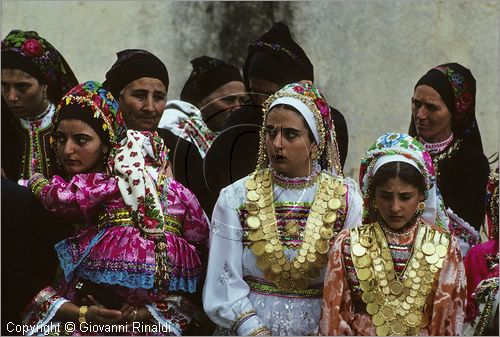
(27, 51)
(457, 87)
(96, 106)
(308, 100)
(401, 147)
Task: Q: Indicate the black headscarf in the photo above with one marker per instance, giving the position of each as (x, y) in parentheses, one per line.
(27, 51)
(457, 87)
(131, 65)
(208, 74)
(277, 58)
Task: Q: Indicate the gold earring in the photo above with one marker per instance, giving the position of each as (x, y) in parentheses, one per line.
(421, 206)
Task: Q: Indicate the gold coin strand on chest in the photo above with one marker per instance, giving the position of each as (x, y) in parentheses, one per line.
(266, 243)
(396, 306)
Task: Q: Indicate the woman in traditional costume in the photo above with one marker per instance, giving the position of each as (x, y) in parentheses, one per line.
(272, 230)
(136, 253)
(482, 270)
(34, 78)
(400, 273)
(444, 121)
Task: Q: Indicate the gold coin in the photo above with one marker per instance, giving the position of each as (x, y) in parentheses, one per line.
(322, 246)
(316, 236)
(386, 290)
(329, 217)
(433, 268)
(415, 264)
(276, 268)
(311, 257)
(256, 235)
(383, 282)
(412, 273)
(387, 313)
(253, 222)
(396, 288)
(326, 233)
(334, 203)
(417, 280)
(419, 255)
(428, 248)
(383, 330)
(269, 247)
(250, 184)
(372, 308)
(406, 306)
(366, 241)
(301, 259)
(378, 267)
(410, 299)
(367, 297)
(297, 264)
(341, 190)
(303, 252)
(397, 327)
(441, 250)
(252, 208)
(358, 250)
(378, 298)
(363, 273)
(366, 285)
(363, 261)
(262, 217)
(252, 196)
(266, 183)
(258, 247)
(287, 266)
(432, 259)
(274, 241)
(282, 261)
(439, 264)
(377, 318)
(424, 321)
(261, 204)
(258, 179)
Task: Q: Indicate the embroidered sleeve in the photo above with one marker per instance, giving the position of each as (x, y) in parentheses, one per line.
(173, 311)
(336, 311)
(41, 310)
(79, 197)
(225, 295)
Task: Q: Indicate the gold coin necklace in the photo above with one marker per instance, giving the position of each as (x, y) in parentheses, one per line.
(266, 243)
(396, 305)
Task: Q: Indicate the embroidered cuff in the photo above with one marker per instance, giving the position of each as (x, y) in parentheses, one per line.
(241, 319)
(262, 331)
(249, 325)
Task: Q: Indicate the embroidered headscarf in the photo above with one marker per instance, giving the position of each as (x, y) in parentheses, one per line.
(277, 58)
(137, 162)
(308, 100)
(392, 147)
(457, 87)
(96, 106)
(208, 75)
(27, 51)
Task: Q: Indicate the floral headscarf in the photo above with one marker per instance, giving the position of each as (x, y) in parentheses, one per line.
(104, 116)
(139, 160)
(397, 145)
(459, 94)
(27, 51)
(309, 101)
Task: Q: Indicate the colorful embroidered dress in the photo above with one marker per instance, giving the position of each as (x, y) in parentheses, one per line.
(385, 282)
(140, 237)
(271, 236)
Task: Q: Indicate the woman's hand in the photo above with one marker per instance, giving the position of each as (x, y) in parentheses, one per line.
(98, 314)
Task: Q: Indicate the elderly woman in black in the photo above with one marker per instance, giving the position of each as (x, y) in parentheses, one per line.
(444, 120)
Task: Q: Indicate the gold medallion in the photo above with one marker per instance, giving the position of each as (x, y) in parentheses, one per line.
(302, 258)
(269, 248)
(358, 250)
(258, 247)
(341, 190)
(441, 250)
(432, 259)
(266, 183)
(326, 233)
(252, 196)
(412, 319)
(253, 222)
(378, 298)
(256, 235)
(364, 273)
(322, 246)
(419, 255)
(372, 308)
(367, 297)
(428, 248)
(329, 217)
(292, 228)
(252, 208)
(396, 288)
(366, 285)
(297, 264)
(250, 184)
(363, 261)
(311, 257)
(383, 330)
(377, 318)
(366, 241)
(397, 327)
(334, 204)
(387, 313)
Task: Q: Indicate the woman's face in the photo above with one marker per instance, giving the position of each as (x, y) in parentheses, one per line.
(430, 114)
(22, 93)
(142, 103)
(397, 201)
(287, 141)
(79, 147)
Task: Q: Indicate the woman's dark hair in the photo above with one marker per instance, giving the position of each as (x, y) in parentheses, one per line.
(398, 169)
(289, 107)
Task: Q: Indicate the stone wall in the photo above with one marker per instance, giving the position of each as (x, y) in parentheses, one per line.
(367, 55)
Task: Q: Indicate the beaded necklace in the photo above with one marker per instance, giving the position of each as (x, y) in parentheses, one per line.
(396, 303)
(264, 235)
(298, 182)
